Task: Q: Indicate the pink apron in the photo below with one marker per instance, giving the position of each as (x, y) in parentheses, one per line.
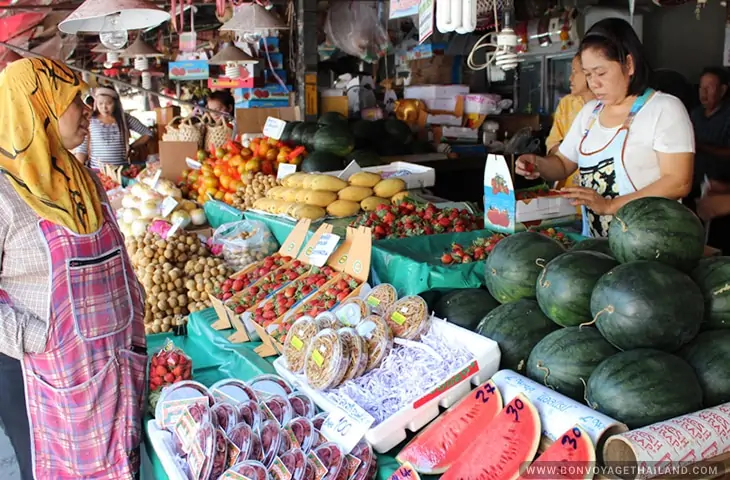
(85, 394)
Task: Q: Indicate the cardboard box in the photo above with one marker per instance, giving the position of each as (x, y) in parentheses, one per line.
(503, 211)
(252, 120)
(172, 158)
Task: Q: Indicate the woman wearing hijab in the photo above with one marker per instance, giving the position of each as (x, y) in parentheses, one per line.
(72, 345)
(109, 132)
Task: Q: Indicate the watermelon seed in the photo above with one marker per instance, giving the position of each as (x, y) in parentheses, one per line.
(540, 366)
(608, 309)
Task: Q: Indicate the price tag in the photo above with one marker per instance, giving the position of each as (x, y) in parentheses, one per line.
(274, 128)
(194, 164)
(167, 206)
(196, 459)
(156, 178)
(278, 470)
(405, 472)
(185, 429)
(349, 170)
(172, 409)
(231, 475)
(324, 248)
(285, 169)
(347, 425)
(173, 229)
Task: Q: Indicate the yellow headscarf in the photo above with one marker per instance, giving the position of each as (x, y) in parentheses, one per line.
(34, 93)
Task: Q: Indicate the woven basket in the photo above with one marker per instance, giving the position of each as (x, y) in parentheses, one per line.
(217, 132)
(189, 129)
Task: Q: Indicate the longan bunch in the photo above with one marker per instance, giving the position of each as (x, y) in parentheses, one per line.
(255, 187)
(204, 276)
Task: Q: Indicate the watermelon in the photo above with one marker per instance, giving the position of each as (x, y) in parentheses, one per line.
(644, 386)
(565, 359)
(321, 162)
(335, 140)
(366, 133)
(565, 285)
(516, 327)
(658, 229)
(398, 132)
(713, 277)
(574, 451)
(332, 118)
(365, 158)
(511, 270)
(286, 135)
(510, 440)
(709, 355)
(309, 130)
(439, 445)
(600, 245)
(297, 132)
(647, 305)
(465, 307)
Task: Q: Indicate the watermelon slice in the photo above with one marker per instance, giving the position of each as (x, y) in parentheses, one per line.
(438, 446)
(570, 458)
(510, 440)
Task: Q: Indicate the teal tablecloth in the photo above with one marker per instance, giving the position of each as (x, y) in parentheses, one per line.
(215, 358)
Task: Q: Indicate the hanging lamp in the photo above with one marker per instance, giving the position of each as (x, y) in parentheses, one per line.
(112, 19)
(141, 52)
(253, 20)
(232, 57)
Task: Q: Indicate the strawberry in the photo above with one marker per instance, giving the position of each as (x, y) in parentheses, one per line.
(447, 259)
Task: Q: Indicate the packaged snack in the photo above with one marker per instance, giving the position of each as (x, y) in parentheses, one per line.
(295, 462)
(245, 242)
(327, 360)
(241, 436)
(169, 365)
(358, 353)
(409, 317)
(267, 385)
(327, 320)
(200, 458)
(250, 413)
(351, 311)
(303, 405)
(297, 341)
(311, 471)
(233, 391)
(333, 459)
(319, 420)
(381, 298)
(378, 338)
(220, 455)
(364, 452)
(278, 407)
(273, 441)
(251, 469)
(303, 433)
(224, 415)
(200, 414)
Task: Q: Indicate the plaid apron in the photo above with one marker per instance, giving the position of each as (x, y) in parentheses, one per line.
(85, 394)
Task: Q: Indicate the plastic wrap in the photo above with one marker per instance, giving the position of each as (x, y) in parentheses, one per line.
(354, 28)
(245, 242)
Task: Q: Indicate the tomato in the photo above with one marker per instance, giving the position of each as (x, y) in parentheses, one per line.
(219, 153)
(206, 169)
(219, 195)
(193, 176)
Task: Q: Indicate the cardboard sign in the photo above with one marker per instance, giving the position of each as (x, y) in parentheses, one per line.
(347, 425)
(274, 128)
(285, 169)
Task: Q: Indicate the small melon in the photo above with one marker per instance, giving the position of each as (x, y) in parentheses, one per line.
(355, 194)
(319, 198)
(290, 195)
(388, 188)
(365, 179)
(370, 204)
(294, 180)
(308, 179)
(275, 192)
(302, 195)
(343, 208)
(307, 211)
(328, 182)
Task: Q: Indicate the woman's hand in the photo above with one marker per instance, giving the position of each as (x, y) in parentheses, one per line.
(590, 199)
(526, 166)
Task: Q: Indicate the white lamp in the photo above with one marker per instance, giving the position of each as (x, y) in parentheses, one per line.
(232, 57)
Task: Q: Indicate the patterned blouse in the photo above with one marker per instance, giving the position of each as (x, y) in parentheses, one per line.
(107, 143)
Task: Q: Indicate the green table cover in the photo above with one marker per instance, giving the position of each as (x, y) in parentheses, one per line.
(219, 213)
(215, 358)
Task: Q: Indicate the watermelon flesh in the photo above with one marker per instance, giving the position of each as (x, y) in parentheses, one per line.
(510, 440)
(570, 458)
(439, 445)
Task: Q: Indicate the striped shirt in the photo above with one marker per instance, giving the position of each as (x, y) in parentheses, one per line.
(107, 142)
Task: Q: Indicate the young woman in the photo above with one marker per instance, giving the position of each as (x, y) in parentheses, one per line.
(109, 132)
(221, 101)
(630, 142)
(72, 344)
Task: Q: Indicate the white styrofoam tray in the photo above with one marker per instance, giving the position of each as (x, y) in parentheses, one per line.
(161, 441)
(392, 431)
(416, 176)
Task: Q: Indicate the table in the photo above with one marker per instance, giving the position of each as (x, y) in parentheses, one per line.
(215, 358)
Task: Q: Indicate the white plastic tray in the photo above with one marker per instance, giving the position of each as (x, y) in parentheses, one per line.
(416, 176)
(161, 441)
(392, 431)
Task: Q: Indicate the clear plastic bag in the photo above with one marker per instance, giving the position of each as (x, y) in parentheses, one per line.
(354, 28)
(244, 242)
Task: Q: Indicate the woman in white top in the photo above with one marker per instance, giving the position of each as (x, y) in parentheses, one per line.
(109, 132)
(630, 142)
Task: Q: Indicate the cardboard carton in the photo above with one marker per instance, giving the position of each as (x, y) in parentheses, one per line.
(172, 158)
(252, 120)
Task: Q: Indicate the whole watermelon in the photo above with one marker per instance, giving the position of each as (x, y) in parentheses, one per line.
(336, 140)
(367, 133)
(332, 118)
(398, 132)
(600, 245)
(321, 162)
(286, 135)
(364, 158)
(644, 386)
(657, 229)
(647, 305)
(709, 355)
(566, 358)
(297, 131)
(511, 270)
(465, 307)
(713, 277)
(565, 285)
(516, 327)
(309, 130)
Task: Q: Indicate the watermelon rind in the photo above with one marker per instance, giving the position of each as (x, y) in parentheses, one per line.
(647, 305)
(600, 245)
(465, 307)
(516, 327)
(657, 229)
(565, 285)
(439, 445)
(644, 386)
(709, 355)
(510, 441)
(573, 450)
(512, 268)
(712, 275)
(565, 359)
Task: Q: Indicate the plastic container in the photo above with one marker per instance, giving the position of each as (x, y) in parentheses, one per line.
(302, 433)
(333, 459)
(297, 340)
(268, 385)
(364, 452)
(201, 414)
(220, 454)
(167, 414)
(319, 420)
(241, 435)
(351, 311)
(200, 460)
(250, 413)
(250, 469)
(409, 317)
(224, 415)
(381, 298)
(273, 441)
(232, 390)
(278, 407)
(295, 461)
(358, 353)
(302, 404)
(378, 338)
(327, 360)
(327, 320)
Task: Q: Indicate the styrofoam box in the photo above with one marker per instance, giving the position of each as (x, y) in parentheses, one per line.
(392, 431)
(161, 441)
(416, 176)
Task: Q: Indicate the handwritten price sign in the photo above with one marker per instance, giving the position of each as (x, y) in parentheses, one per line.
(347, 425)
(405, 472)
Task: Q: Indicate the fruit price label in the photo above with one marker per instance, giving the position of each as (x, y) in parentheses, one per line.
(174, 228)
(168, 205)
(156, 178)
(193, 164)
(324, 248)
(196, 459)
(346, 425)
(231, 475)
(285, 169)
(185, 429)
(405, 472)
(274, 128)
(172, 409)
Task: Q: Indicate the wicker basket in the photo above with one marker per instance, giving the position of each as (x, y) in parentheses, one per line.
(191, 129)
(217, 132)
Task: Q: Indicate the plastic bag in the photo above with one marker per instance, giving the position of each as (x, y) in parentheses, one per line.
(356, 29)
(169, 365)
(245, 242)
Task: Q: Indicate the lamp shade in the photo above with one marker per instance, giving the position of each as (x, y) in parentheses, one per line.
(133, 15)
(231, 54)
(252, 17)
(140, 48)
(56, 48)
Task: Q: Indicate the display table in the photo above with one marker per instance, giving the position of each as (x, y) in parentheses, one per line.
(215, 358)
